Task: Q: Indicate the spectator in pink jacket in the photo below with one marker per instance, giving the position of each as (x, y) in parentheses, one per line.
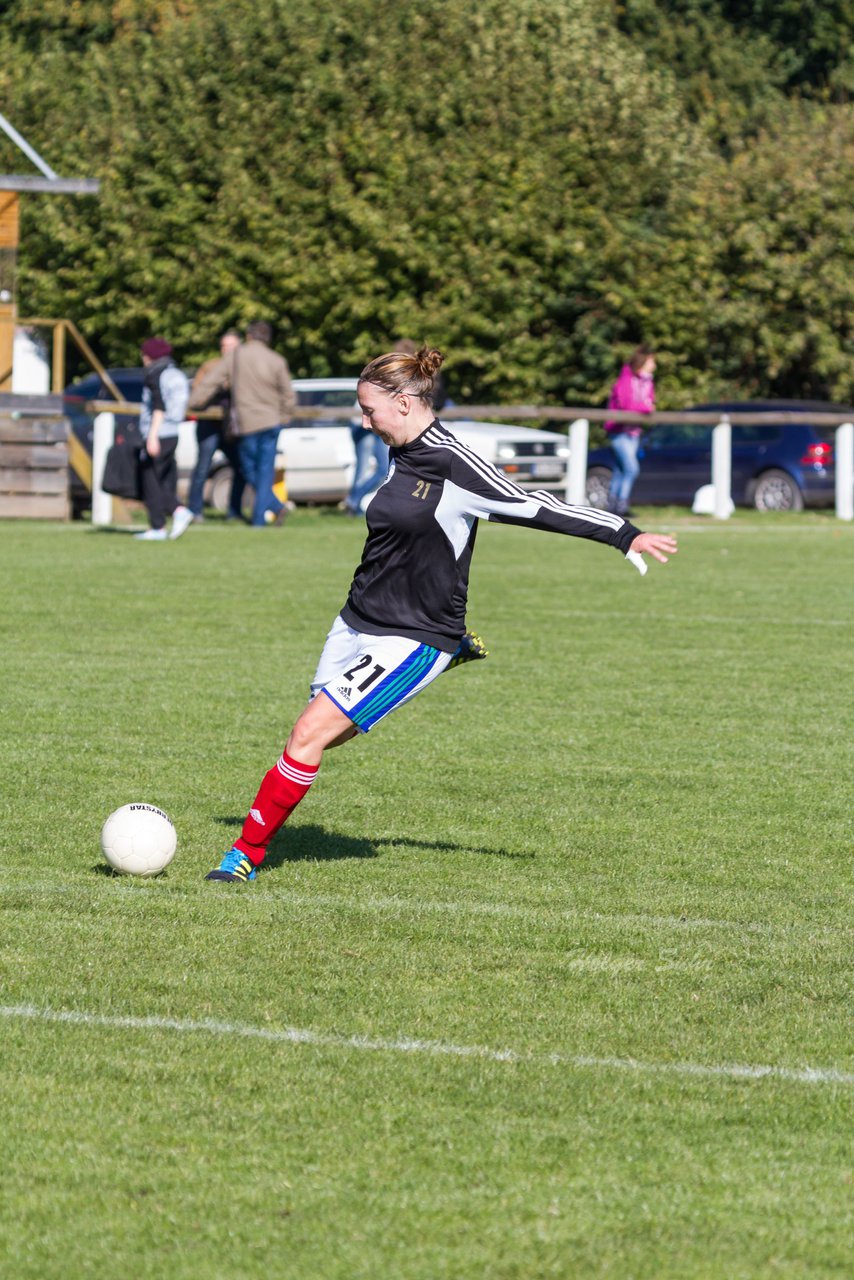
(633, 390)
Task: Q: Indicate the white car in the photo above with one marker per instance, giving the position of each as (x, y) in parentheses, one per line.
(317, 458)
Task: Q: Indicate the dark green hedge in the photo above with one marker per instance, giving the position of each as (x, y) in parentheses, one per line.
(533, 185)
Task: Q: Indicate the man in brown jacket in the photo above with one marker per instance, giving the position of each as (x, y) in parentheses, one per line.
(263, 400)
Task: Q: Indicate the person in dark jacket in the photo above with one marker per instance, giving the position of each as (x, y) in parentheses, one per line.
(404, 620)
(165, 391)
(213, 434)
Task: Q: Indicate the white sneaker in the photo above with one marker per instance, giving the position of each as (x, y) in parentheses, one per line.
(151, 535)
(181, 521)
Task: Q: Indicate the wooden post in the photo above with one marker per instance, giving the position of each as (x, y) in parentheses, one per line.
(9, 229)
(58, 367)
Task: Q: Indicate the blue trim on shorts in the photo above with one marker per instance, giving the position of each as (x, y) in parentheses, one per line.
(396, 686)
(334, 701)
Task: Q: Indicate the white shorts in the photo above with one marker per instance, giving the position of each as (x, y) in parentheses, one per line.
(368, 676)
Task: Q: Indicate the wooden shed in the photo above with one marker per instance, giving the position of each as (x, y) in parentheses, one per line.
(33, 458)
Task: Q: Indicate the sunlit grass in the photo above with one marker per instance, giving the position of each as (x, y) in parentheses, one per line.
(625, 839)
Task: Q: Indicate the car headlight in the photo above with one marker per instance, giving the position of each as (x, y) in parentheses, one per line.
(562, 451)
(507, 451)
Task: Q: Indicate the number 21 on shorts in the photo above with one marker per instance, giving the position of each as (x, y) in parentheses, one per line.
(372, 676)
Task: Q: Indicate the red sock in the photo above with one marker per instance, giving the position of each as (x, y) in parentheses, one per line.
(281, 791)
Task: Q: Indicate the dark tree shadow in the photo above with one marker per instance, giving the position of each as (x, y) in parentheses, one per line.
(314, 844)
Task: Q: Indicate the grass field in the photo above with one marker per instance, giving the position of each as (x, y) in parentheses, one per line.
(550, 975)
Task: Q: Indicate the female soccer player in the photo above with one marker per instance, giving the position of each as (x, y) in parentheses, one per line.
(404, 620)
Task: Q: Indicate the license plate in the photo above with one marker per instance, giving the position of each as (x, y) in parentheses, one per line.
(547, 471)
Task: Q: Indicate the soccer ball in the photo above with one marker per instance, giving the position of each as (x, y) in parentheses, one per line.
(138, 840)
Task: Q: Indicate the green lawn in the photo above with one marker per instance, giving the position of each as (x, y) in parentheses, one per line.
(503, 1002)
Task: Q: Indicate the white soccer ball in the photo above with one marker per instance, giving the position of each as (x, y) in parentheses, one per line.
(139, 840)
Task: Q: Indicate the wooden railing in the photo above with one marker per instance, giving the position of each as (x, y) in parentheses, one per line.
(579, 418)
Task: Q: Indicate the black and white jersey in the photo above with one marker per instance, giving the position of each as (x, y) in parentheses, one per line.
(422, 524)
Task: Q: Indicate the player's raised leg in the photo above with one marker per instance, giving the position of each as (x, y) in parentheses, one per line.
(360, 679)
(320, 726)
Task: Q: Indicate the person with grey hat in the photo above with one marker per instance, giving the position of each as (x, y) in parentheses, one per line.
(165, 393)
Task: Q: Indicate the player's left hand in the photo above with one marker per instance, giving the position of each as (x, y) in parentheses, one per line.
(661, 546)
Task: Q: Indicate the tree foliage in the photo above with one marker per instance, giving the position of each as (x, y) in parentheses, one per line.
(533, 185)
(749, 46)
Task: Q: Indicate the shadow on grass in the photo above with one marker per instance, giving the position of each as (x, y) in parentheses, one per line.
(314, 844)
(309, 844)
(101, 869)
(448, 846)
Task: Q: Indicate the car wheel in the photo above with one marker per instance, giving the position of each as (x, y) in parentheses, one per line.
(218, 489)
(218, 492)
(777, 491)
(598, 487)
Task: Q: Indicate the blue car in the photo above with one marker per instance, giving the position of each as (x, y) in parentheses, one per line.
(775, 466)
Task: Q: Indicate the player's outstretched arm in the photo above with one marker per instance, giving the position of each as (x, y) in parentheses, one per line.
(659, 545)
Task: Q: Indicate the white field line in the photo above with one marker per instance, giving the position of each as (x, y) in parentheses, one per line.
(544, 915)
(328, 1040)
(708, 619)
